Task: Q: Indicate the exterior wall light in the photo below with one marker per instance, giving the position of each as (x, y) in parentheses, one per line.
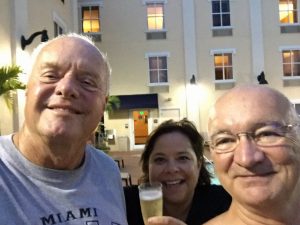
(193, 79)
(261, 78)
(44, 37)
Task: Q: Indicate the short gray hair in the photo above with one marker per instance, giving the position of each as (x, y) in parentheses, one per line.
(106, 69)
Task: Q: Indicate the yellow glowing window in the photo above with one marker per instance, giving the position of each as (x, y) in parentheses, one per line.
(91, 19)
(155, 16)
(288, 12)
(223, 66)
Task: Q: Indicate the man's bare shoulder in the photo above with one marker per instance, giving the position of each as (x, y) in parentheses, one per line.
(218, 220)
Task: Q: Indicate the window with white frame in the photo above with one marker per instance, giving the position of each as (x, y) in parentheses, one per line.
(220, 13)
(90, 19)
(291, 63)
(155, 16)
(288, 11)
(158, 69)
(223, 64)
(59, 25)
(296, 104)
(58, 30)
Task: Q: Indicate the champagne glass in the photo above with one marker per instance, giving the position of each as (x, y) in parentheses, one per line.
(151, 200)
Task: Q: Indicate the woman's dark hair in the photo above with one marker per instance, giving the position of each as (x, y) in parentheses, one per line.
(186, 128)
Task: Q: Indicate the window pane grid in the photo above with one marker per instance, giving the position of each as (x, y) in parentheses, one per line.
(55, 29)
(221, 13)
(297, 107)
(155, 16)
(58, 30)
(291, 63)
(288, 11)
(225, 6)
(158, 69)
(91, 19)
(223, 66)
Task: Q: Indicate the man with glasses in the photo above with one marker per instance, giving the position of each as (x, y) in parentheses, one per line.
(254, 136)
(255, 145)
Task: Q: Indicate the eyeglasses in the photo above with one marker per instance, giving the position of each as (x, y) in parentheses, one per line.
(266, 135)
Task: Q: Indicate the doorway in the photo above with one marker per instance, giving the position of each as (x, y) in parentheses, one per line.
(140, 127)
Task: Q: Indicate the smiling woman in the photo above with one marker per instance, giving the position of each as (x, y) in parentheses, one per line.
(173, 156)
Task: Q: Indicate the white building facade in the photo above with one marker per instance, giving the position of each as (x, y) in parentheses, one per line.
(169, 58)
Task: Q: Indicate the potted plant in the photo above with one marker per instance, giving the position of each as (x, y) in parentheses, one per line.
(101, 143)
(113, 103)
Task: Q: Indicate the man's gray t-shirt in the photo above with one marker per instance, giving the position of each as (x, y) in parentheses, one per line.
(32, 195)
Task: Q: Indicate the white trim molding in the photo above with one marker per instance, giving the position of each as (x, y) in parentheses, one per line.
(289, 47)
(90, 3)
(154, 1)
(158, 54)
(56, 18)
(224, 50)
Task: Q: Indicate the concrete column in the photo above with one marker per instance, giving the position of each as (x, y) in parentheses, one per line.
(257, 44)
(190, 59)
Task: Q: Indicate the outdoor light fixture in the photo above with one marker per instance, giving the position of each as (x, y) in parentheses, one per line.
(261, 78)
(25, 42)
(193, 80)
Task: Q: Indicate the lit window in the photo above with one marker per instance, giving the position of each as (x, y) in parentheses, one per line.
(158, 70)
(155, 16)
(220, 13)
(291, 63)
(288, 11)
(90, 18)
(223, 66)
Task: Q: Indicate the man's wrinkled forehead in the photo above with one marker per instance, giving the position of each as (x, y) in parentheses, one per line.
(247, 105)
(75, 45)
(69, 49)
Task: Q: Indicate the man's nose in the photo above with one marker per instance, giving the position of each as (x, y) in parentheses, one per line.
(247, 153)
(67, 86)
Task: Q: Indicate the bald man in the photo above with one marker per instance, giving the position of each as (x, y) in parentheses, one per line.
(254, 136)
(255, 145)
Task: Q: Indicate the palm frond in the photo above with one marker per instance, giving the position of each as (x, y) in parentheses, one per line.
(9, 82)
(113, 103)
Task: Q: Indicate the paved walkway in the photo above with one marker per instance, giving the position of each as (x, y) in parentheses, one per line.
(131, 163)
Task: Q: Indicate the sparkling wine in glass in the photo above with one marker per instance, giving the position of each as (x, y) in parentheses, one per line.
(151, 200)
